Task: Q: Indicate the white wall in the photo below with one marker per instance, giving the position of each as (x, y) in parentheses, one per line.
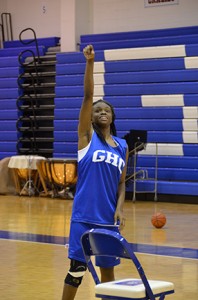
(3, 9)
(131, 15)
(84, 17)
(67, 25)
(76, 19)
(42, 16)
(71, 18)
(3, 6)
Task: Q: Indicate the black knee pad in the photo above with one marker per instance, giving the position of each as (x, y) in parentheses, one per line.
(75, 273)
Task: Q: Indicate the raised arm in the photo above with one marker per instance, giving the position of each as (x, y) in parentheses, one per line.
(85, 125)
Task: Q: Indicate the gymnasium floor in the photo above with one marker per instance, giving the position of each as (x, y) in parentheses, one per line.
(33, 232)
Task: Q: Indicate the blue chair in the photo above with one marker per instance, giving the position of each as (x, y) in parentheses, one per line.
(108, 243)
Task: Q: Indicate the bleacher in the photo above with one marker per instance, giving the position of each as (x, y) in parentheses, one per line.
(9, 71)
(151, 78)
(9, 92)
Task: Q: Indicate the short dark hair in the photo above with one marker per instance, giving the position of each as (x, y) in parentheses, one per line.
(112, 125)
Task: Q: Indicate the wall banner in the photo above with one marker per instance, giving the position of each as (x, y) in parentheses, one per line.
(150, 3)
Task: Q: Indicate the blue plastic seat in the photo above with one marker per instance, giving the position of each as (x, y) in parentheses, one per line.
(108, 243)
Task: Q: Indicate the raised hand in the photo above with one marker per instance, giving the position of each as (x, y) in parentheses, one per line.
(89, 52)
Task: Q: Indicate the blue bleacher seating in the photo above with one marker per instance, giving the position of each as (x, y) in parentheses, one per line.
(134, 77)
(145, 38)
(7, 154)
(8, 104)
(146, 42)
(47, 42)
(165, 32)
(9, 72)
(10, 114)
(16, 51)
(8, 83)
(150, 77)
(9, 91)
(167, 187)
(9, 61)
(167, 161)
(8, 136)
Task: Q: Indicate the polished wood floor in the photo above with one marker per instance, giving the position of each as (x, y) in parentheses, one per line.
(33, 269)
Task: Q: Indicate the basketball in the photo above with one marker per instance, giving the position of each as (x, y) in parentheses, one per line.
(158, 220)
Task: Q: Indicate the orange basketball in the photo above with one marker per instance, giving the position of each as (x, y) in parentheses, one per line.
(158, 220)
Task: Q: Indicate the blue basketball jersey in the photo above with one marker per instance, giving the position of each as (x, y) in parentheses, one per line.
(99, 171)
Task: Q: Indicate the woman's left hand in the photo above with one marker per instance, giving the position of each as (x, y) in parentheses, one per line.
(119, 219)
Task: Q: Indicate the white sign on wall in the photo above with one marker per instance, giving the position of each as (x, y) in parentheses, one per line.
(150, 3)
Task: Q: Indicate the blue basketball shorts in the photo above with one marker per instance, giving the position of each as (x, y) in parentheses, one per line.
(75, 248)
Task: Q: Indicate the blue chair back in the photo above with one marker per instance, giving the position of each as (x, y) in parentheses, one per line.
(103, 242)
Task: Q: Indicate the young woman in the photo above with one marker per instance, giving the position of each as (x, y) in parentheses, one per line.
(100, 190)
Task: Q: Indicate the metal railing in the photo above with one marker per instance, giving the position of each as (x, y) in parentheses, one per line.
(30, 99)
(6, 22)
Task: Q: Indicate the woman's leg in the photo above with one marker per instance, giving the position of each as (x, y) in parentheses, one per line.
(69, 292)
(73, 279)
(107, 274)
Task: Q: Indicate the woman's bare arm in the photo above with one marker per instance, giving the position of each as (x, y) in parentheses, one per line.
(85, 126)
(119, 215)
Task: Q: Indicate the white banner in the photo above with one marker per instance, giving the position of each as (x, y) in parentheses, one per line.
(150, 3)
